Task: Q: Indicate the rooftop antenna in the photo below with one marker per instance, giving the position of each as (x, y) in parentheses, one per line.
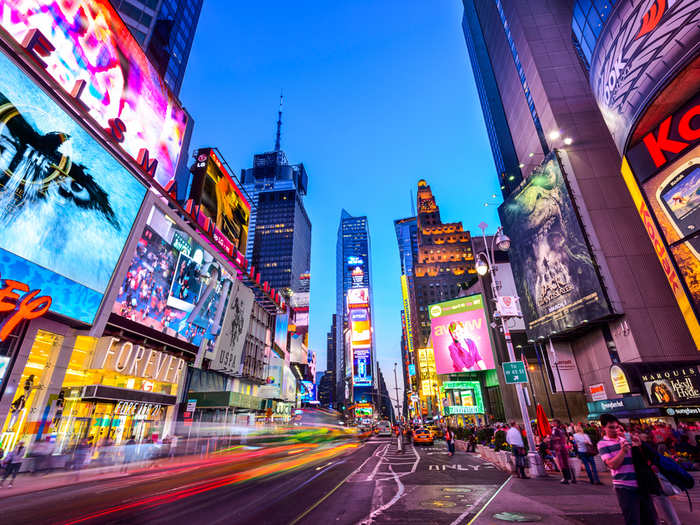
(279, 124)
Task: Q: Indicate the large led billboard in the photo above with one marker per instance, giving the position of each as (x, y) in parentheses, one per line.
(66, 205)
(460, 335)
(87, 49)
(554, 271)
(361, 366)
(358, 298)
(281, 329)
(173, 284)
(360, 327)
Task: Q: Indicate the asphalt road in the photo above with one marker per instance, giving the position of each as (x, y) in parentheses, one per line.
(370, 483)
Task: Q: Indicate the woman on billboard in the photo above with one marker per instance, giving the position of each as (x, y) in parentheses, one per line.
(463, 351)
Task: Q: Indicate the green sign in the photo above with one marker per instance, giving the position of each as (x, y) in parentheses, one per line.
(515, 372)
(459, 385)
(456, 306)
(459, 409)
(467, 395)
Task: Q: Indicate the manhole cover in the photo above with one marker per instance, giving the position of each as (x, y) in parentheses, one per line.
(517, 517)
(456, 489)
(438, 504)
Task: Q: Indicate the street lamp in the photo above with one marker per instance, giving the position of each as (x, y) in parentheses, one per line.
(485, 263)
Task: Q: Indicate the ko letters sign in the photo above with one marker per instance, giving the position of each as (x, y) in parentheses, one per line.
(124, 357)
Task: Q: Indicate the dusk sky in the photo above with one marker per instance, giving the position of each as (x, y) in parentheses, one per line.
(377, 96)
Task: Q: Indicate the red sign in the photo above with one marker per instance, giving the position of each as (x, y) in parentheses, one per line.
(29, 306)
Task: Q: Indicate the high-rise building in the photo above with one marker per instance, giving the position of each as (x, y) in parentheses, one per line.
(355, 357)
(279, 242)
(591, 290)
(165, 29)
(330, 344)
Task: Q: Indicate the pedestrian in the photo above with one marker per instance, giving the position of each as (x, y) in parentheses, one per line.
(517, 448)
(586, 453)
(616, 451)
(450, 440)
(12, 463)
(559, 442)
(42, 452)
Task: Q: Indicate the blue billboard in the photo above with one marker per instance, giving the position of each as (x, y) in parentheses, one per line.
(361, 367)
(66, 205)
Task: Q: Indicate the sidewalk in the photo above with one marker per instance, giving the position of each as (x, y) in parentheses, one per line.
(580, 504)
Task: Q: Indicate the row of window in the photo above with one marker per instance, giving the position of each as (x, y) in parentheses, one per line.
(587, 23)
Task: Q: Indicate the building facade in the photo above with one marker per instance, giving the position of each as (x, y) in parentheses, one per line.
(611, 303)
(165, 30)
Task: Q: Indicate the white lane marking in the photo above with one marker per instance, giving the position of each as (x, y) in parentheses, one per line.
(466, 512)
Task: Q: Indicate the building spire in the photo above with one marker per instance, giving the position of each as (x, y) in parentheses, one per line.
(279, 124)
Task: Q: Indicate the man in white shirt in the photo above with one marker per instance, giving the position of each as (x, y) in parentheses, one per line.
(515, 439)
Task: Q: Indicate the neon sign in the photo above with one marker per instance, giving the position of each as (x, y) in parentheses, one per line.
(28, 307)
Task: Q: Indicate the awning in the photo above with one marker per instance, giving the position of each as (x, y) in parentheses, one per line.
(113, 393)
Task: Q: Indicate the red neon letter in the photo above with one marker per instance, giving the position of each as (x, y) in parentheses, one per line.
(657, 145)
(147, 165)
(684, 129)
(8, 292)
(28, 308)
(117, 129)
(37, 44)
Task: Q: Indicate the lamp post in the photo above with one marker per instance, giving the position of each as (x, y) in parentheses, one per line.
(398, 402)
(485, 263)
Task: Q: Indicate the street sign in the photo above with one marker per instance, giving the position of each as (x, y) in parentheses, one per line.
(514, 371)
(191, 405)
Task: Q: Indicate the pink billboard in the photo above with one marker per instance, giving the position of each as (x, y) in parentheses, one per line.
(90, 53)
(460, 335)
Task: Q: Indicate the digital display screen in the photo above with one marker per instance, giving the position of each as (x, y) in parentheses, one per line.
(361, 334)
(281, 328)
(168, 290)
(92, 44)
(682, 195)
(362, 367)
(460, 335)
(66, 205)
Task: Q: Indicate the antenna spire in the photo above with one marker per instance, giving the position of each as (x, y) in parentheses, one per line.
(279, 124)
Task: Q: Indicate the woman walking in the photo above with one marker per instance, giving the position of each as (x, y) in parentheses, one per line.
(450, 439)
(561, 451)
(586, 453)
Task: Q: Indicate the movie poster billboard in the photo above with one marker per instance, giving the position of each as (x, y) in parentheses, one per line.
(554, 271)
(360, 327)
(172, 287)
(460, 335)
(95, 58)
(308, 391)
(362, 366)
(228, 350)
(66, 205)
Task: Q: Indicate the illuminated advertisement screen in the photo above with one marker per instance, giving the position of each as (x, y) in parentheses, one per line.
(308, 391)
(361, 367)
(173, 288)
(460, 335)
(66, 205)
(358, 298)
(281, 325)
(122, 90)
(220, 197)
(360, 327)
(554, 271)
(357, 268)
(298, 353)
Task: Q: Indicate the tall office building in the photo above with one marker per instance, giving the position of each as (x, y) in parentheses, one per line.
(355, 357)
(591, 291)
(165, 29)
(279, 242)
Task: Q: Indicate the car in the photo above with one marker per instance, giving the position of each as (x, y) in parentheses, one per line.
(422, 436)
(436, 431)
(384, 428)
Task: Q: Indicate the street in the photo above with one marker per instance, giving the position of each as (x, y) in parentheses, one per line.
(366, 484)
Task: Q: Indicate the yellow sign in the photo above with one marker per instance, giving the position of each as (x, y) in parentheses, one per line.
(619, 380)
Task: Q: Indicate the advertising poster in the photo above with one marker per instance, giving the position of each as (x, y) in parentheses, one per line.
(308, 391)
(672, 385)
(564, 367)
(360, 327)
(357, 268)
(554, 271)
(358, 298)
(66, 205)
(289, 385)
(460, 335)
(169, 290)
(272, 389)
(281, 325)
(123, 91)
(298, 353)
(362, 367)
(234, 329)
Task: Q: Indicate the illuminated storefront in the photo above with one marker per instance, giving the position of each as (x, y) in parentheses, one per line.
(428, 386)
(463, 402)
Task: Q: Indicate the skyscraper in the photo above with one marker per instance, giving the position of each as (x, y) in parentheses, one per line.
(165, 29)
(279, 240)
(355, 358)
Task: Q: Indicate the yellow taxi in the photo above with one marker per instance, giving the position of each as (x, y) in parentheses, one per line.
(422, 436)
(436, 431)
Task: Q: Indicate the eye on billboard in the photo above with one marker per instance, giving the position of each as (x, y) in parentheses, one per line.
(360, 327)
(362, 367)
(173, 287)
(460, 335)
(358, 298)
(87, 49)
(555, 275)
(66, 205)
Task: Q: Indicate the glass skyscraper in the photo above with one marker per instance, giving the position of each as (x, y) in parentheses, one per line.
(165, 29)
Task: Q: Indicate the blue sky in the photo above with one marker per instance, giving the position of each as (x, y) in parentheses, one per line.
(377, 96)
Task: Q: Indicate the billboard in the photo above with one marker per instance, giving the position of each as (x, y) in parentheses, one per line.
(662, 173)
(460, 335)
(642, 44)
(173, 284)
(219, 197)
(234, 328)
(308, 391)
(358, 298)
(357, 268)
(555, 274)
(272, 389)
(298, 353)
(467, 397)
(281, 325)
(361, 366)
(87, 49)
(66, 205)
(360, 327)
